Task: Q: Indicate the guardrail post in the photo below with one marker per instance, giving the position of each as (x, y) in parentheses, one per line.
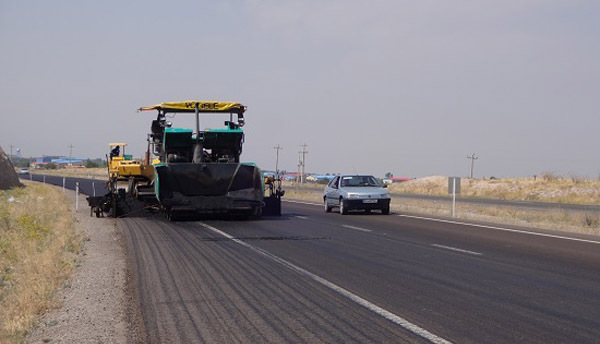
(64, 182)
(76, 195)
(44, 180)
(94, 189)
(30, 176)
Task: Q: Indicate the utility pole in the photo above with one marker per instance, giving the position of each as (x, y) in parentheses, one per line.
(299, 167)
(473, 158)
(303, 161)
(71, 154)
(10, 157)
(278, 148)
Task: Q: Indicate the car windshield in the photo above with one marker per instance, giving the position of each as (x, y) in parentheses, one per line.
(358, 181)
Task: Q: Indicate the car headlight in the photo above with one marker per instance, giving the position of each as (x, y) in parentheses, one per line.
(385, 195)
(352, 195)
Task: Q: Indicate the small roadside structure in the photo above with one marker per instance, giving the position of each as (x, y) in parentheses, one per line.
(8, 176)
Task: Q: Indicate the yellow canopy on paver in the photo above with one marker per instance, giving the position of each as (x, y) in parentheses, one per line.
(202, 105)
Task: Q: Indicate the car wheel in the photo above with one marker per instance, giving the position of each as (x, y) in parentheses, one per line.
(327, 207)
(343, 208)
(386, 210)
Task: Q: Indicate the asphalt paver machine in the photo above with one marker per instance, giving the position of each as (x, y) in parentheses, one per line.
(199, 171)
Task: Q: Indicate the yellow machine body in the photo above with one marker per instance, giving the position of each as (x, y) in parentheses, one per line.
(122, 166)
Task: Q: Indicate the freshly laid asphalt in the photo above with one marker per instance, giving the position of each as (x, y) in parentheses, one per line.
(313, 277)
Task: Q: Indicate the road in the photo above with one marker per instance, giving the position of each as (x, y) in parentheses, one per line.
(314, 277)
(87, 186)
(311, 277)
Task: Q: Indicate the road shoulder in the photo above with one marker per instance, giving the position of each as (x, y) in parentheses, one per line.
(96, 303)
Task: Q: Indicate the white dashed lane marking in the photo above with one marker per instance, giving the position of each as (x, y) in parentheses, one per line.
(456, 249)
(357, 228)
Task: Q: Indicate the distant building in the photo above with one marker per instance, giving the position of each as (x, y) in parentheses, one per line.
(68, 162)
(291, 176)
(60, 161)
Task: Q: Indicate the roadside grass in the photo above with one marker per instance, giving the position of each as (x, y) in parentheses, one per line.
(90, 173)
(553, 219)
(548, 187)
(38, 249)
(568, 221)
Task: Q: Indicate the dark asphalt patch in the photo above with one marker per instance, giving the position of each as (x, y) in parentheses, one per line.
(266, 238)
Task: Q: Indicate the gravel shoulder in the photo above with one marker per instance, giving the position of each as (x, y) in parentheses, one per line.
(97, 304)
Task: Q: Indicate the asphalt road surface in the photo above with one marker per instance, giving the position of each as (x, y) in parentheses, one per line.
(88, 187)
(312, 277)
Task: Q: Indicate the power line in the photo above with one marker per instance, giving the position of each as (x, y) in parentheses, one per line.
(473, 158)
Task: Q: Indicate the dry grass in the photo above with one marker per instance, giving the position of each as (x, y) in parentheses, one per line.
(547, 188)
(304, 195)
(90, 173)
(569, 221)
(38, 249)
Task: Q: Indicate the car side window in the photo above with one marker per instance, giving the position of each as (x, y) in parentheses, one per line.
(334, 183)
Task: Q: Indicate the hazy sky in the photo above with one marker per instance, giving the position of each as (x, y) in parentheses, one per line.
(410, 87)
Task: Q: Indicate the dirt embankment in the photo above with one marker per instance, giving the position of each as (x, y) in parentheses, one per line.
(8, 177)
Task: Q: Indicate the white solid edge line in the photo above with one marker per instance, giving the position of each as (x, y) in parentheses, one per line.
(501, 228)
(456, 249)
(357, 228)
(357, 299)
(300, 217)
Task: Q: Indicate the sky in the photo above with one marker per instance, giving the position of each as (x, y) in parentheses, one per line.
(407, 87)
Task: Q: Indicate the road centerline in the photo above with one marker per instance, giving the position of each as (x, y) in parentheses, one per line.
(396, 319)
(357, 228)
(456, 249)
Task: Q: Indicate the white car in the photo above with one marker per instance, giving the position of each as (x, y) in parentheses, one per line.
(23, 170)
(349, 192)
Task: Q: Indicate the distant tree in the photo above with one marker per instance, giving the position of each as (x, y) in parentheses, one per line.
(91, 163)
(389, 175)
(51, 166)
(20, 162)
